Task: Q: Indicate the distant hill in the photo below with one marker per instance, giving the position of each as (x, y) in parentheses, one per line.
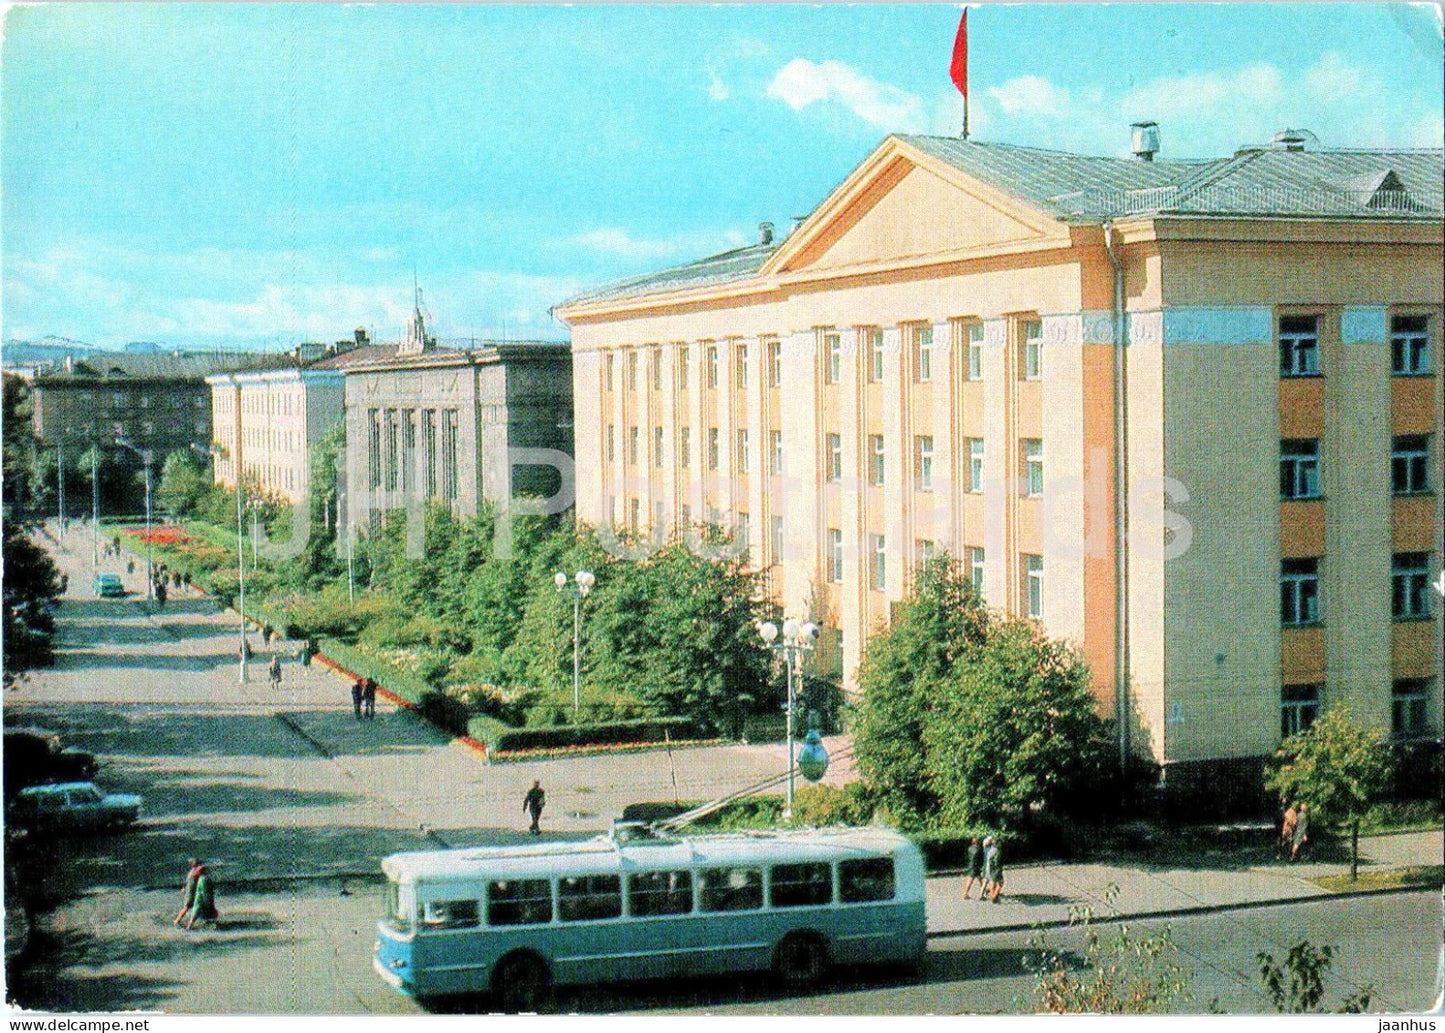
(47, 349)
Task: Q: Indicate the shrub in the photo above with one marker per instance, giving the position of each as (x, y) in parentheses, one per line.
(832, 805)
(503, 739)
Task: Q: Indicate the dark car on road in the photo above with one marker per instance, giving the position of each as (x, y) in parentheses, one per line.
(109, 586)
(73, 807)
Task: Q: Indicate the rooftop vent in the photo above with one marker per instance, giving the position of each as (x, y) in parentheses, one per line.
(1295, 139)
(1145, 140)
(765, 233)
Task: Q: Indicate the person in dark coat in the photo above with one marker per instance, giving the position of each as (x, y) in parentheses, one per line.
(368, 698)
(532, 804)
(358, 689)
(974, 868)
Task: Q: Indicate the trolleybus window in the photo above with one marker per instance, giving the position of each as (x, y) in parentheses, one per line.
(584, 898)
(519, 902)
(865, 879)
(801, 885)
(659, 893)
(398, 908)
(450, 914)
(731, 889)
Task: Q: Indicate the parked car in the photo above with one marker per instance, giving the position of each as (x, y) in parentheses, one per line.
(73, 807)
(109, 586)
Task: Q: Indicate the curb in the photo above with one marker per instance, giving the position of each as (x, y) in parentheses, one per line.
(1203, 909)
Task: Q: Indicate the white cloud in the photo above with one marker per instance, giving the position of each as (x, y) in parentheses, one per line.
(1332, 77)
(1427, 132)
(1211, 93)
(716, 89)
(1031, 95)
(801, 83)
(618, 242)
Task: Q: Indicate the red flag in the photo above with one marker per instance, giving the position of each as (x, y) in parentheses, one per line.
(958, 69)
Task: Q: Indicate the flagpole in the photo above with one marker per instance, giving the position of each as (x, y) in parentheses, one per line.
(958, 67)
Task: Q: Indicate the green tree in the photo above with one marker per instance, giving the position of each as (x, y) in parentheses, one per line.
(901, 677)
(31, 585)
(970, 720)
(1336, 767)
(19, 445)
(1299, 984)
(184, 483)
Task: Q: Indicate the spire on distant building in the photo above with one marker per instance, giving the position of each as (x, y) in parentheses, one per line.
(417, 340)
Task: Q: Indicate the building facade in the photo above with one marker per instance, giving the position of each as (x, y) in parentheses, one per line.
(1185, 414)
(267, 422)
(431, 423)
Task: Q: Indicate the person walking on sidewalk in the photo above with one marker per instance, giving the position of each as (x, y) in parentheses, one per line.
(275, 671)
(188, 891)
(532, 804)
(358, 690)
(1286, 831)
(992, 869)
(368, 698)
(974, 868)
(1301, 831)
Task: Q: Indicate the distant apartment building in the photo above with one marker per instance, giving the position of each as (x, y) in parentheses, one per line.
(1184, 414)
(432, 423)
(157, 401)
(266, 422)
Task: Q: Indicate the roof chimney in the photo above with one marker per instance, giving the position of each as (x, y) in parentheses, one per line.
(1145, 140)
(765, 233)
(1294, 139)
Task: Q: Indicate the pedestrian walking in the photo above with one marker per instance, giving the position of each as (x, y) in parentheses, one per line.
(161, 594)
(1286, 831)
(974, 868)
(992, 869)
(194, 870)
(275, 670)
(130, 566)
(358, 691)
(368, 698)
(1301, 830)
(186, 580)
(203, 907)
(532, 804)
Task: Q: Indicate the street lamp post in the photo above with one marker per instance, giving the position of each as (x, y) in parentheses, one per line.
(799, 638)
(94, 504)
(580, 588)
(60, 484)
(245, 675)
(146, 458)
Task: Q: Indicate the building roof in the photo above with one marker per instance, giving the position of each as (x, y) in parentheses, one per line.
(481, 352)
(353, 357)
(1260, 182)
(113, 367)
(1257, 183)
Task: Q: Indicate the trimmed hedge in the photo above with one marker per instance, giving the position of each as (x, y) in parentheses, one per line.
(502, 738)
(398, 683)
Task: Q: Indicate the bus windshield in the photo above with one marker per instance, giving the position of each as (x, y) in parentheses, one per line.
(399, 908)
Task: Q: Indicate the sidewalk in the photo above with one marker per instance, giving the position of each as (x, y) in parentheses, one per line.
(1044, 893)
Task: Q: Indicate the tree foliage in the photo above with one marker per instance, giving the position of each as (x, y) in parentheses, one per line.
(1298, 985)
(31, 586)
(184, 483)
(1338, 768)
(969, 719)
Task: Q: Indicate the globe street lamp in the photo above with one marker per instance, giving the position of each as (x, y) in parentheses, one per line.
(798, 639)
(580, 588)
(146, 458)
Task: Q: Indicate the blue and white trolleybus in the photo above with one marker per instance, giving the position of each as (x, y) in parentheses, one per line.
(635, 904)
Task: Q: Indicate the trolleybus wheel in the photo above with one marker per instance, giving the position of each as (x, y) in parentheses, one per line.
(519, 982)
(800, 960)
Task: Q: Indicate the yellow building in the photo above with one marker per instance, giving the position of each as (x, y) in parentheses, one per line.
(1186, 414)
(266, 422)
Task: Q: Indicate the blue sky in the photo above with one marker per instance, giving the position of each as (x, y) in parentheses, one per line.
(262, 175)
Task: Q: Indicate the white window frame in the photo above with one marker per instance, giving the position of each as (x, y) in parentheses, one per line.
(742, 457)
(835, 457)
(775, 363)
(976, 568)
(1409, 347)
(875, 355)
(684, 446)
(879, 572)
(923, 461)
(1299, 594)
(832, 358)
(974, 343)
(714, 448)
(740, 350)
(1033, 586)
(1410, 589)
(1299, 468)
(777, 540)
(877, 460)
(1033, 461)
(835, 556)
(1033, 350)
(923, 354)
(712, 365)
(1410, 464)
(775, 452)
(657, 434)
(1299, 349)
(976, 456)
(684, 360)
(1298, 709)
(633, 445)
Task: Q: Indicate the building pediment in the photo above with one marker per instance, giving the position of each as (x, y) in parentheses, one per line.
(903, 206)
